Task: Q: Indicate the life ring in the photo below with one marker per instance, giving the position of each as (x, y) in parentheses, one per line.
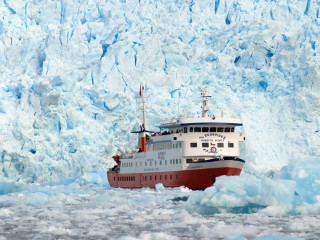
(214, 150)
(195, 160)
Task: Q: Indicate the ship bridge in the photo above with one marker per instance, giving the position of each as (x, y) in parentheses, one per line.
(182, 122)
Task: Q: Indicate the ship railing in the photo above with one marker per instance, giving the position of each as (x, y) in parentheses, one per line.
(127, 155)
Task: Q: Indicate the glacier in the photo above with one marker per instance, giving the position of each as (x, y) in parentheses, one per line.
(70, 74)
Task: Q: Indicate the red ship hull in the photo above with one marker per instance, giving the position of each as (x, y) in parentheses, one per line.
(192, 179)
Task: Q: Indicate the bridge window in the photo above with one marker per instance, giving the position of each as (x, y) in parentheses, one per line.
(197, 129)
(230, 145)
(189, 160)
(185, 130)
(227, 129)
(193, 145)
(220, 145)
(213, 129)
(205, 144)
(220, 129)
(191, 129)
(205, 129)
(232, 129)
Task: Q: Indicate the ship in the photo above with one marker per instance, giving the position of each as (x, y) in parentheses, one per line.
(186, 151)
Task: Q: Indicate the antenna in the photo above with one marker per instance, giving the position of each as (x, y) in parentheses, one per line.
(144, 125)
(204, 102)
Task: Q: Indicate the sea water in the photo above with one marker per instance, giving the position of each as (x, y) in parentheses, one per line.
(286, 206)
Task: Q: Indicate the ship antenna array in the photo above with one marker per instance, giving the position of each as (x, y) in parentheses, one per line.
(204, 102)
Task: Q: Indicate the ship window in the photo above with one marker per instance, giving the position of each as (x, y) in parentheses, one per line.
(160, 177)
(227, 129)
(145, 163)
(165, 177)
(155, 178)
(205, 144)
(155, 163)
(170, 161)
(136, 164)
(232, 129)
(177, 176)
(150, 178)
(160, 163)
(166, 162)
(197, 129)
(180, 145)
(185, 130)
(193, 145)
(191, 129)
(220, 129)
(170, 176)
(205, 129)
(230, 145)
(213, 129)
(173, 145)
(180, 161)
(189, 160)
(150, 163)
(177, 161)
(220, 145)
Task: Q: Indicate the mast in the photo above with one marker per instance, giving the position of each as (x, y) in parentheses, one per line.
(204, 103)
(144, 126)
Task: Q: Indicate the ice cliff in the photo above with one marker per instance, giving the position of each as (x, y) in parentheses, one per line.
(70, 72)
